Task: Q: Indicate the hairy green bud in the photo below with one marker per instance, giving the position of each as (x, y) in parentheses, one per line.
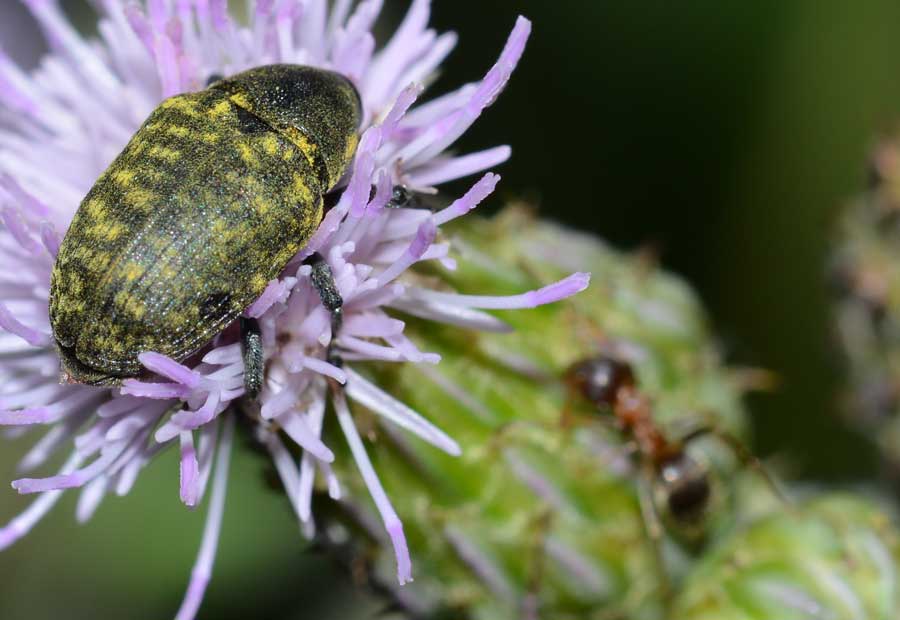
(834, 557)
(540, 516)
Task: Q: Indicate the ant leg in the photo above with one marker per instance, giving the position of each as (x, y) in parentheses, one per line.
(531, 603)
(252, 349)
(747, 458)
(654, 529)
(566, 417)
(323, 281)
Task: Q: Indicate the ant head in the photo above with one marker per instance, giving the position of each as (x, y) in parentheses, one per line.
(599, 378)
(684, 489)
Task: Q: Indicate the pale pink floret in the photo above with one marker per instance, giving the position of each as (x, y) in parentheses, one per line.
(83, 104)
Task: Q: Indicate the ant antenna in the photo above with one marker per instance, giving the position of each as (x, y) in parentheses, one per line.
(746, 457)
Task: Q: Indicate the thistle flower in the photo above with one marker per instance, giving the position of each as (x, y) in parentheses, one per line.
(541, 519)
(82, 105)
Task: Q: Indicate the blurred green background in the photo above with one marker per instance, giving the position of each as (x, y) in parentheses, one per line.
(724, 134)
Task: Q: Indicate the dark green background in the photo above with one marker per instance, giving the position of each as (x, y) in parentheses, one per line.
(726, 134)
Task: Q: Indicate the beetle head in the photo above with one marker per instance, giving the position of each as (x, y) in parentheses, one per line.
(318, 110)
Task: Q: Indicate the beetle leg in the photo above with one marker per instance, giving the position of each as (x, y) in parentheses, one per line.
(253, 356)
(323, 281)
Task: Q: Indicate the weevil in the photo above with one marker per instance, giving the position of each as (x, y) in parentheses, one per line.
(208, 202)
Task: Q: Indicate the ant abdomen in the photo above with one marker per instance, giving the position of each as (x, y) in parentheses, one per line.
(684, 489)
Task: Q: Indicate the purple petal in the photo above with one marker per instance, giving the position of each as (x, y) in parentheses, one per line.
(26, 200)
(220, 17)
(188, 420)
(134, 387)
(374, 398)
(202, 572)
(274, 291)
(23, 523)
(189, 470)
(118, 406)
(403, 103)
(324, 368)
(297, 429)
(139, 25)
(19, 231)
(478, 192)
(167, 66)
(50, 238)
(222, 356)
(566, 287)
(10, 89)
(286, 466)
(89, 500)
(167, 367)
(460, 316)
(444, 133)
(425, 235)
(36, 415)
(69, 480)
(382, 503)
(448, 169)
(383, 190)
(401, 551)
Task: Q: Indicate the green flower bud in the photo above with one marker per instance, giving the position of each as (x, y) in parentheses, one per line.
(834, 557)
(540, 515)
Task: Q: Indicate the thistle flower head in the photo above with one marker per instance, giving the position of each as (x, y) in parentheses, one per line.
(82, 105)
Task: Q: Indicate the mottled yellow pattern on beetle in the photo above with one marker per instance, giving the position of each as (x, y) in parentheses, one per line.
(203, 207)
(306, 147)
(350, 149)
(124, 176)
(181, 103)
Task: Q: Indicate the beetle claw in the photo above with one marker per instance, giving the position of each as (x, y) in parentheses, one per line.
(323, 281)
(254, 364)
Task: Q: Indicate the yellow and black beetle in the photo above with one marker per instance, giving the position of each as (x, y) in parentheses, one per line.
(207, 203)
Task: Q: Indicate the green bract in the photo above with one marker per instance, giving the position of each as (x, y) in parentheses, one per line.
(835, 557)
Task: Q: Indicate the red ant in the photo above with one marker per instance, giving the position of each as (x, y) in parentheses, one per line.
(671, 476)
